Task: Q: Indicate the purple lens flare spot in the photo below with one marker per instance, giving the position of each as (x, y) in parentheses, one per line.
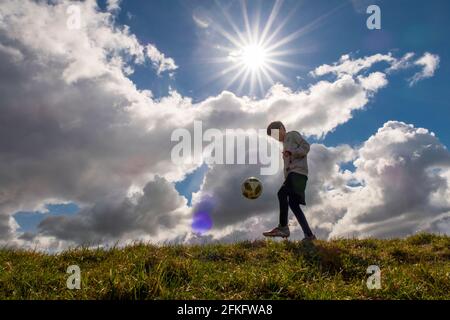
(202, 221)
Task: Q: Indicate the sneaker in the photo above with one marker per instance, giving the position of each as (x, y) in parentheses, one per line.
(309, 238)
(282, 232)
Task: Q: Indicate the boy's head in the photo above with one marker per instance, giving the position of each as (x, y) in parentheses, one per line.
(273, 127)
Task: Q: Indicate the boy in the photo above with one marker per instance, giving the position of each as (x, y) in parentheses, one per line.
(292, 192)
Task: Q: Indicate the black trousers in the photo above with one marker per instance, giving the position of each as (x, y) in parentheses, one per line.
(288, 199)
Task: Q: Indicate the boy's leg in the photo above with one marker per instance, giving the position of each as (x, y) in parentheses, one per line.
(294, 204)
(282, 230)
(284, 206)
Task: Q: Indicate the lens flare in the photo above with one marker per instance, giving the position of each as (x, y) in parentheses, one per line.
(201, 220)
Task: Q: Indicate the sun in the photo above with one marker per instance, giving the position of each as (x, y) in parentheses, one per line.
(254, 52)
(253, 61)
(253, 56)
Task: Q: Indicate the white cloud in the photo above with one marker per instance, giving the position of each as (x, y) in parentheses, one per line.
(75, 128)
(401, 169)
(160, 62)
(374, 81)
(403, 63)
(113, 5)
(349, 66)
(401, 185)
(430, 63)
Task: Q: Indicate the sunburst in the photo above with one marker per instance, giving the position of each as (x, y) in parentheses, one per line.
(254, 56)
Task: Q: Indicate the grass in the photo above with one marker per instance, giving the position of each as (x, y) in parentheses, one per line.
(414, 268)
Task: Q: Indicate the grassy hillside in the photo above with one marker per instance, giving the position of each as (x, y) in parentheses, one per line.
(413, 268)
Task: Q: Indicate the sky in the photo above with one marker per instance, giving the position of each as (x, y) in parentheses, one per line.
(406, 26)
(88, 112)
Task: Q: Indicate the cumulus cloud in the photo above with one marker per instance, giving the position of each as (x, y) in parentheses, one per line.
(74, 128)
(400, 186)
(159, 61)
(235, 217)
(401, 174)
(373, 82)
(429, 62)
(157, 210)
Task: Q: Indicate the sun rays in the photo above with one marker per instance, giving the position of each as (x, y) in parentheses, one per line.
(255, 55)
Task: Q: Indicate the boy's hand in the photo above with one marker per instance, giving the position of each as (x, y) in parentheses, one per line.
(286, 154)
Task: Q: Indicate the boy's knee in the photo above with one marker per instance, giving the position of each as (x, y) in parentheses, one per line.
(282, 193)
(294, 202)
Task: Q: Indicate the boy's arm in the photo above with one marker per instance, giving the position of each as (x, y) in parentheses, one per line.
(297, 146)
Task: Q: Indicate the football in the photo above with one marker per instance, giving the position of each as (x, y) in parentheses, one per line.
(251, 188)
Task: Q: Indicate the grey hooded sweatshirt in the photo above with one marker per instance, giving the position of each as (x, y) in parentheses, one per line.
(299, 148)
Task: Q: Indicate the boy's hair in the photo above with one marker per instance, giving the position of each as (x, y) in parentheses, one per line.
(276, 125)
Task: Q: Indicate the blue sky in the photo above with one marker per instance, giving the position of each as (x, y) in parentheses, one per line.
(29, 220)
(407, 26)
(339, 27)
